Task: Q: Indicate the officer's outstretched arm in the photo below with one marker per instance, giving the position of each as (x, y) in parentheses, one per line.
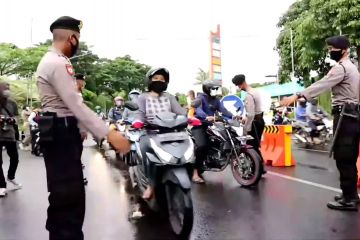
(334, 77)
(63, 84)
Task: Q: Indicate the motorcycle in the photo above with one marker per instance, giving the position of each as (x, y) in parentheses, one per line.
(172, 156)
(228, 147)
(324, 129)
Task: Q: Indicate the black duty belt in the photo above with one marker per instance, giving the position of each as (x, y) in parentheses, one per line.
(69, 121)
(259, 116)
(350, 109)
(66, 121)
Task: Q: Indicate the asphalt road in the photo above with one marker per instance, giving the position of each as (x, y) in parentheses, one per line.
(289, 203)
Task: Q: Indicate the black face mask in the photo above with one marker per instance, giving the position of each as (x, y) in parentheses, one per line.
(336, 55)
(74, 48)
(158, 86)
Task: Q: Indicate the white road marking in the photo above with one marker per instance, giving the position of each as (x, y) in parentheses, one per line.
(305, 182)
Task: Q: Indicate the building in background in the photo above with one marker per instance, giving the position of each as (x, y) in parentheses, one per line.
(215, 55)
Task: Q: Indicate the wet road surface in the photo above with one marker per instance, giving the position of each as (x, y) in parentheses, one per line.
(281, 207)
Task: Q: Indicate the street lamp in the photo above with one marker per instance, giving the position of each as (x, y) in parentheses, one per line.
(273, 76)
(79, 56)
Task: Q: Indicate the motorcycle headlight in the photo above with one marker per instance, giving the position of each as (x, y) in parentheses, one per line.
(239, 130)
(189, 154)
(167, 157)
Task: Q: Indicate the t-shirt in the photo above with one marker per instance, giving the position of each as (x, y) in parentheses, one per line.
(9, 134)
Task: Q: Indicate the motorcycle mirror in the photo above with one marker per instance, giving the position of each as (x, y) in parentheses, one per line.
(131, 106)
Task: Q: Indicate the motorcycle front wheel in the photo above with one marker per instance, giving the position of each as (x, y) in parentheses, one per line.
(180, 209)
(247, 170)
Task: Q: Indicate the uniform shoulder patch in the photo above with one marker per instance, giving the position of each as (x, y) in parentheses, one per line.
(70, 69)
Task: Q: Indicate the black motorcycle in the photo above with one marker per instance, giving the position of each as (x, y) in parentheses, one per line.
(172, 156)
(228, 147)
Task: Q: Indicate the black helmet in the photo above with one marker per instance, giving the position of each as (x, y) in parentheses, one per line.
(154, 71)
(209, 84)
(314, 101)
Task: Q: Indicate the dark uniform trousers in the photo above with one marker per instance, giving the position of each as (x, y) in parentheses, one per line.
(257, 129)
(346, 151)
(65, 182)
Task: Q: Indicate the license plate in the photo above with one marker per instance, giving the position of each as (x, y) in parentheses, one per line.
(175, 136)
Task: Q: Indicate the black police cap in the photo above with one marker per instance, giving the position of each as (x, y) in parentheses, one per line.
(68, 23)
(340, 42)
(79, 76)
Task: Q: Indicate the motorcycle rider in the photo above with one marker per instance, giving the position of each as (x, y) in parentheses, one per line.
(100, 113)
(301, 112)
(313, 120)
(129, 115)
(116, 112)
(206, 105)
(152, 102)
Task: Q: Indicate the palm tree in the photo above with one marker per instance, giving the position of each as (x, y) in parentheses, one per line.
(201, 77)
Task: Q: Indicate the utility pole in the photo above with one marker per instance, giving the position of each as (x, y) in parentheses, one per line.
(292, 52)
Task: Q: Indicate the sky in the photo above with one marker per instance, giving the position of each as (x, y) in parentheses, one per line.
(162, 33)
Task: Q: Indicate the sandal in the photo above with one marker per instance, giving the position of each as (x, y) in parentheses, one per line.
(198, 180)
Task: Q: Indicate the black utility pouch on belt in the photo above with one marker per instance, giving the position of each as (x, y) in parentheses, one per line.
(46, 127)
(351, 110)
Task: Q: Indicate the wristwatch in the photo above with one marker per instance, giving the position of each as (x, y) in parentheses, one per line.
(300, 95)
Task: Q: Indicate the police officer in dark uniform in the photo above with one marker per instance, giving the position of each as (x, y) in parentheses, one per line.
(344, 81)
(60, 137)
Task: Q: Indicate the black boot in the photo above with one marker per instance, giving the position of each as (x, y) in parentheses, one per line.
(343, 205)
(340, 197)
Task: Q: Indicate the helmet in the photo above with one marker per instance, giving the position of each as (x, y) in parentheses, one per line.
(314, 101)
(210, 85)
(134, 94)
(154, 71)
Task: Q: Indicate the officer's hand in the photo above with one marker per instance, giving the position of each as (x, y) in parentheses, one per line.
(83, 135)
(243, 120)
(286, 101)
(118, 141)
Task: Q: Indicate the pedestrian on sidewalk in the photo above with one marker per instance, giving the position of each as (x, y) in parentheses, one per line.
(34, 128)
(344, 81)
(8, 114)
(25, 143)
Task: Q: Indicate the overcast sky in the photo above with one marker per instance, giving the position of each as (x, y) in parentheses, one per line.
(168, 33)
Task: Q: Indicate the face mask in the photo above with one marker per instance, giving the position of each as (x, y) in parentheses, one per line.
(6, 93)
(215, 92)
(74, 48)
(158, 86)
(336, 55)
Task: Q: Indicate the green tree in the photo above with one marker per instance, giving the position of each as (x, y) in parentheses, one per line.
(10, 59)
(201, 77)
(312, 21)
(105, 78)
(30, 60)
